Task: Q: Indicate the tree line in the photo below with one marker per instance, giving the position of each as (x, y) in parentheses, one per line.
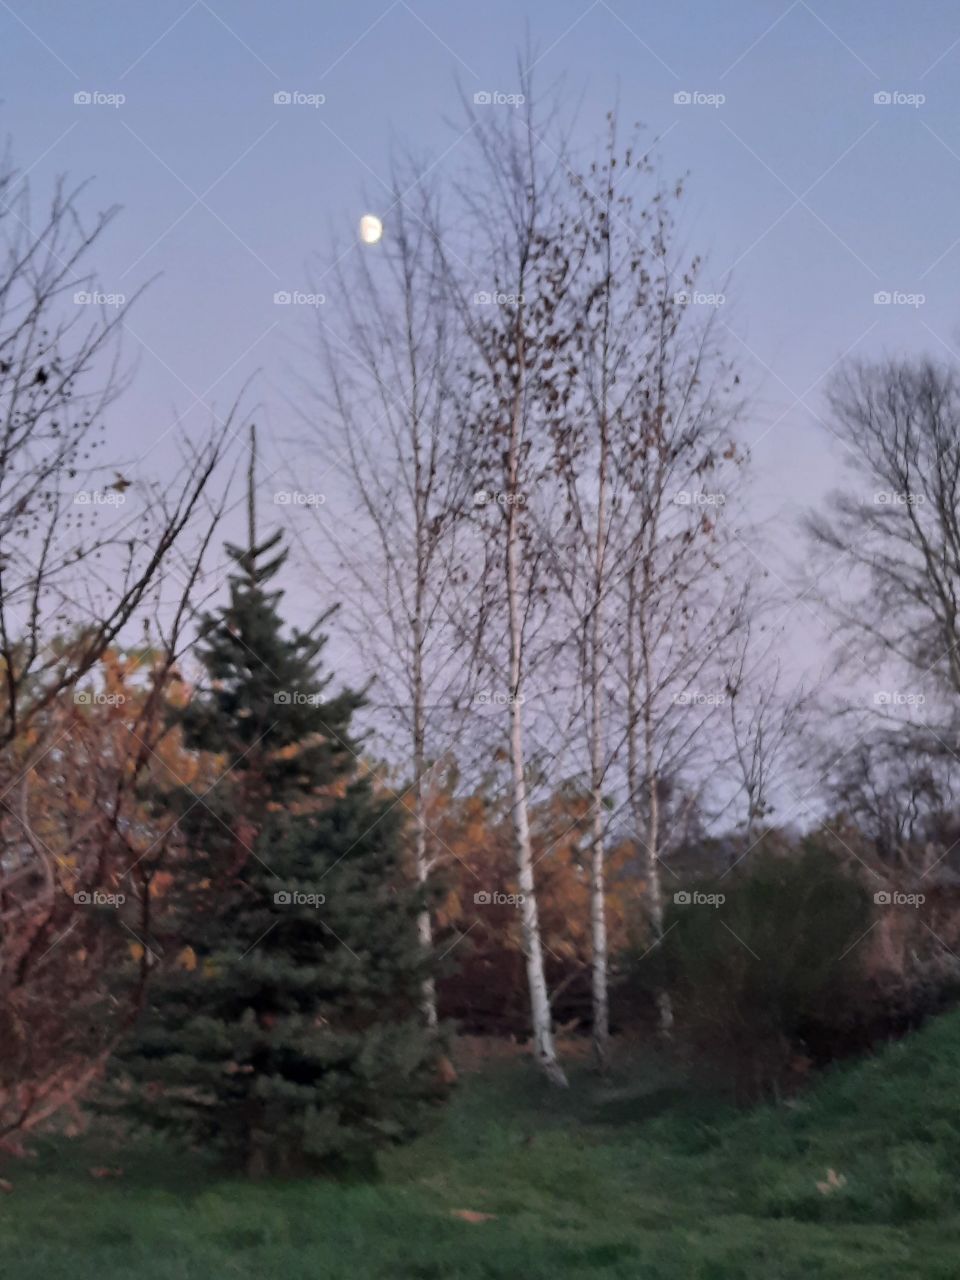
(542, 551)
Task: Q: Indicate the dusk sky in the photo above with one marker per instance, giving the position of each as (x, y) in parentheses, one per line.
(806, 195)
(479, 639)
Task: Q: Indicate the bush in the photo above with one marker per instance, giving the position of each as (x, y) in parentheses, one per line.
(757, 962)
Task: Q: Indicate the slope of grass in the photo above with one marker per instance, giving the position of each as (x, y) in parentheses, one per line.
(630, 1179)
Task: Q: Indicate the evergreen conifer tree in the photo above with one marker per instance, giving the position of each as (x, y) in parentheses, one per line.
(292, 1041)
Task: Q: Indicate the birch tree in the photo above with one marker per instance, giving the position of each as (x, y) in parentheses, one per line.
(386, 424)
(639, 558)
(616, 314)
(507, 270)
(680, 594)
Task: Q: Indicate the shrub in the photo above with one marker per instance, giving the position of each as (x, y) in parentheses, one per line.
(757, 960)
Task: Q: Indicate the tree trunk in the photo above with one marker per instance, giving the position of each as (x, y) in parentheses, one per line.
(540, 1015)
(598, 938)
(598, 907)
(428, 1001)
(654, 886)
(649, 823)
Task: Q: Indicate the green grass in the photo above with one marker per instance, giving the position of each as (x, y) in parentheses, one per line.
(631, 1178)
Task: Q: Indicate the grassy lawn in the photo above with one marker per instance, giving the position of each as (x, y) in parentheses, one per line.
(629, 1179)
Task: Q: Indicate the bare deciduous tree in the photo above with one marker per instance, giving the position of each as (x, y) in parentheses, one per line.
(388, 421)
(680, 601)
(512, 230)
(766, 722)
(896, 537)
(75, 572)
(615, 314)
(73, 563)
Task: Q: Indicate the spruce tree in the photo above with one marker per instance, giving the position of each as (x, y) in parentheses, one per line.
(292, 1040)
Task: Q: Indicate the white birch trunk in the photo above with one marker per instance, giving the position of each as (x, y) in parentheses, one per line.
(598, 906)
(428, 999)
(540, 1013)
(649, 823)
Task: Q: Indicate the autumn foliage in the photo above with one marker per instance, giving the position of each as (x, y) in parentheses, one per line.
(483, 981)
